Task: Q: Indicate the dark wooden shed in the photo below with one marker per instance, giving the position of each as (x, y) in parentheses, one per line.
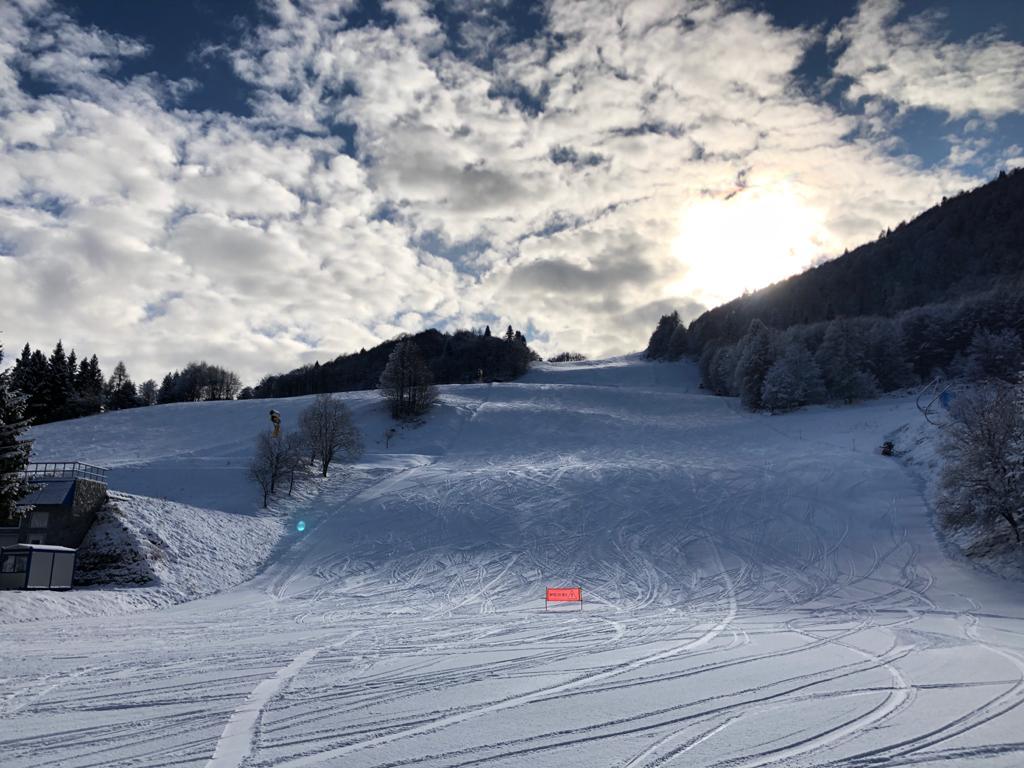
(36, 566)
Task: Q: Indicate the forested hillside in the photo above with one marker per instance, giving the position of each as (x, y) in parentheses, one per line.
(940, 296)
(968, 244)
(453, 358)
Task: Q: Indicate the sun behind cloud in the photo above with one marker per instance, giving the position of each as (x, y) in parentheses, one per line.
(746, 239)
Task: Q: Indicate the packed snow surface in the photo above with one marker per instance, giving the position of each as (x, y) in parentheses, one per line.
(758, 590)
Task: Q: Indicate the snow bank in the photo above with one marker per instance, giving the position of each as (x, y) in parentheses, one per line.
(143, 553)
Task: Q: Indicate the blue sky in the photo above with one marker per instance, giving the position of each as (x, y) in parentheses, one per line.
(263, 185)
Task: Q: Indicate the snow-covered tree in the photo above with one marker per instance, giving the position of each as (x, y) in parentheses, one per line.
(14, 449)
(842, 358)
(994, 355)
(980, 483)
(885, 355)
(793, 380)
(328, 432)
(756, 355)
(677, 344)
(722, 370)
(407, 382)
(1015, 459)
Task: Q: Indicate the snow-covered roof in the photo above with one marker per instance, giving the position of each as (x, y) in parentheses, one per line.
(39, 548)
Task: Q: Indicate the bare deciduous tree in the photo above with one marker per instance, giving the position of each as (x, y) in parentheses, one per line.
(329, 432)
(407, 383)
(295, 451)
(269, 464)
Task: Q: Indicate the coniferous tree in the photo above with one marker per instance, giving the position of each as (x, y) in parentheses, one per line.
(121, 392)
(58, 388)
(72, 370)
(20, 373)
(14, 449)
(89, 380)
(89, 385)
(37, 407)
(657, 347)
(166, 392)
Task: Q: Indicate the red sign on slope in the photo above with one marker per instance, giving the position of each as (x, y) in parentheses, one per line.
(564, 595)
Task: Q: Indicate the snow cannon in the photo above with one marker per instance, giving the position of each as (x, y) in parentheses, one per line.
(275, 418)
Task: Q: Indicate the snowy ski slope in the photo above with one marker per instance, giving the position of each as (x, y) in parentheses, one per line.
(759, 591)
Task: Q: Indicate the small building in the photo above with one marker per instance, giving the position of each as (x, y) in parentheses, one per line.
(62, 507)
(36, 566)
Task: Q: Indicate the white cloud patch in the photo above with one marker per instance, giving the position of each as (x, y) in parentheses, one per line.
(553, 177)
(913, 64)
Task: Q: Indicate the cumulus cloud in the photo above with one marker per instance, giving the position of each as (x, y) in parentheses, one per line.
(913, 64)
(542, 181)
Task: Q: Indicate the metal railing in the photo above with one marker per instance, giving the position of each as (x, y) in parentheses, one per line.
(64, 470)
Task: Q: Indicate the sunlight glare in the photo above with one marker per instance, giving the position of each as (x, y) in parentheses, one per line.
(746, 241)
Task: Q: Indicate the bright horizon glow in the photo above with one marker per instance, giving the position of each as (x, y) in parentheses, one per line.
(755, 237)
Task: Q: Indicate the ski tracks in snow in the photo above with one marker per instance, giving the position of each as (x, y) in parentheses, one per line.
(237, 741)
(751, 600)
